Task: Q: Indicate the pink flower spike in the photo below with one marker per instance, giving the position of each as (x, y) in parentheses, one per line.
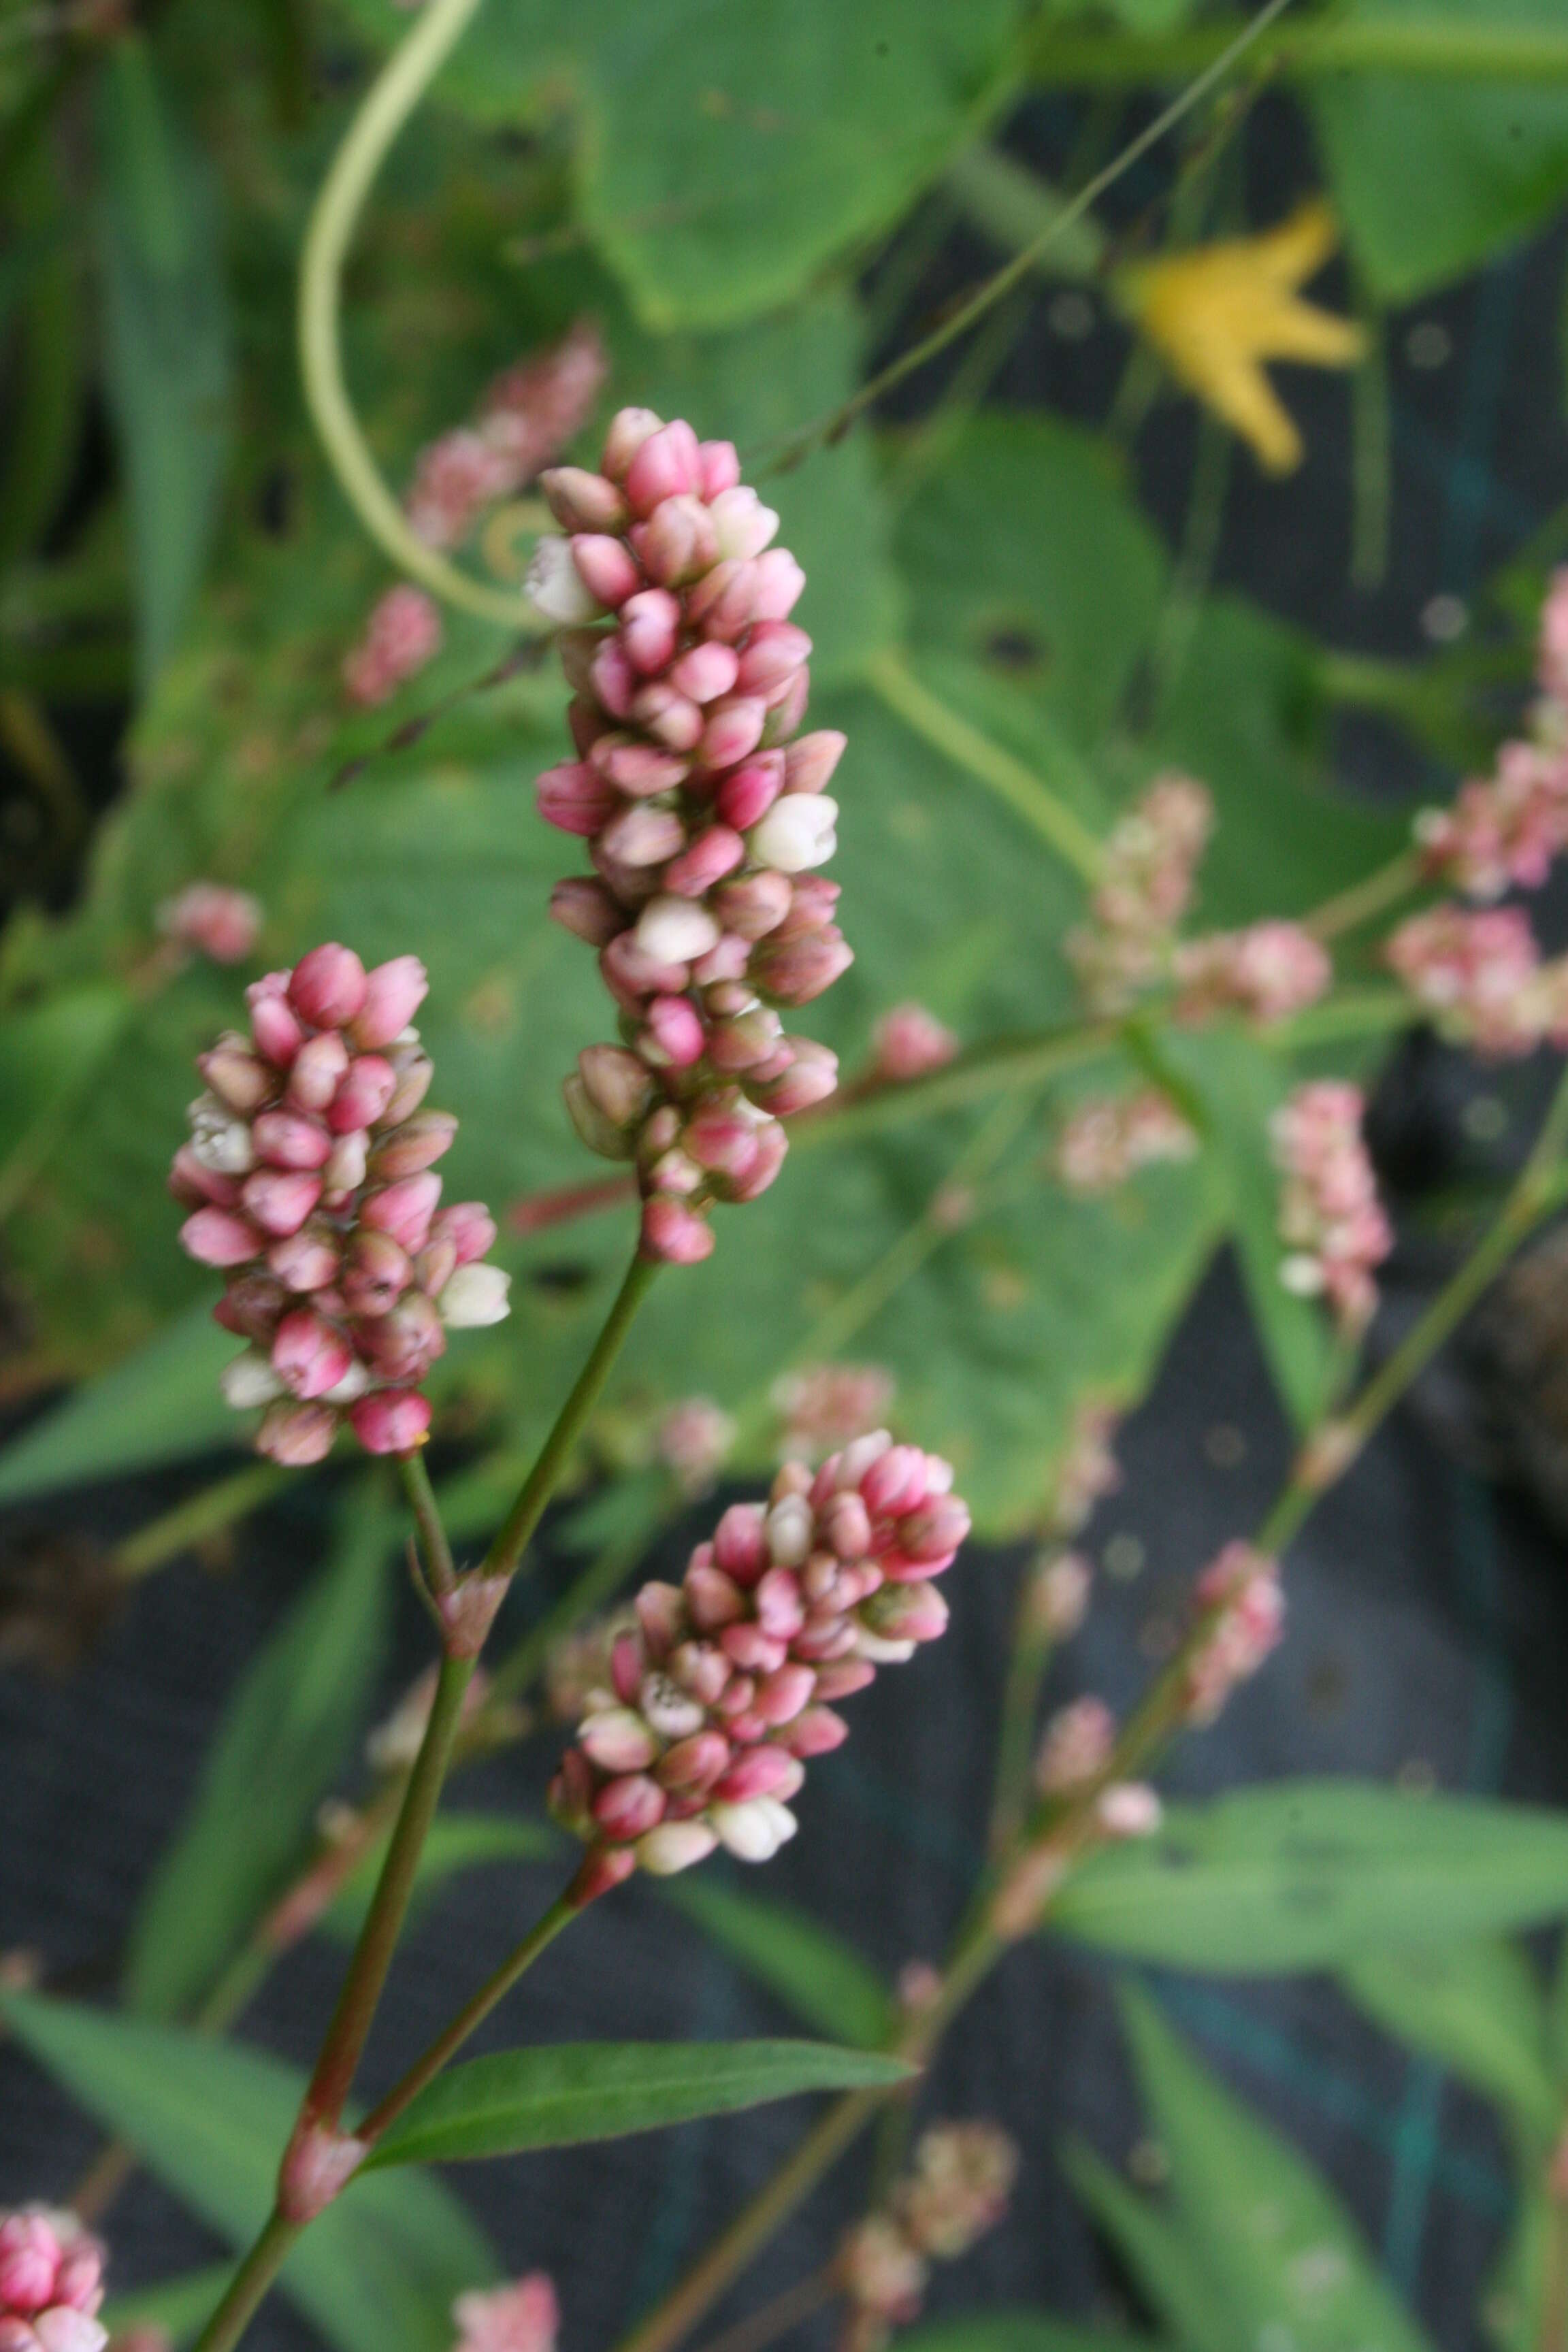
(327, 987)
(218, 921)
(391, 1421)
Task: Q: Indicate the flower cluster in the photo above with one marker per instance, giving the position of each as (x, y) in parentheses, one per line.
(722, 1692)
(522, 2317)
(908, 1042)
(216, 920)
(705, 821)
(956, 2189)
(1479, 974)
(1329, 1218)
(1076, 1747)
(1145, 888)
(309, 1178)
(526, 415)
(1504, 829)
(52, 2283)
(1056, 1592)
(1087, 1470)
(1106, 1140)
(826, 1405)
(1266, 973)
(694, 1441)
(1240, 1596)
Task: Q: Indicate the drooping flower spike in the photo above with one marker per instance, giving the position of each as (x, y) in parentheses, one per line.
(1478, 974)
(705, 821)
(309, 1178)
(1330, 1221)
(956, 2189)
(1504, 829)
(724, 1689)
(51, 2282)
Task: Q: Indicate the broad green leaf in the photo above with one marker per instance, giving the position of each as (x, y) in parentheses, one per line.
(1310, 1873)
(166, 346)
(1284, 2255)
(1557, 2014)
(48, 1054)
(178, 2305)
(809, 1967)
(561, 2094)
(1018, 2331)
(376, 2274)
(1430, 175)
(1511, 2307)
(160, 1404)
(725, 155)
(1476, 2007)
(1163, 2258)
(457, 1842)
(287, 1733)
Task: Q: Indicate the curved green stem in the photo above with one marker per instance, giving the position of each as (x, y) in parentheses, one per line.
(389, 102)
(1466, 48)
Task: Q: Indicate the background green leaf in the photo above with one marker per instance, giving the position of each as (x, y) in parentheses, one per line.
(1476, 2007)
(457, 1842)
(159, 1404)
(809, 1966)
(1018, 2331)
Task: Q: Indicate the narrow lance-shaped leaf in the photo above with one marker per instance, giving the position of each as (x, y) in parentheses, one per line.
(809, 1967)
(159, 1405)
(376, 2274)
(1475, 2007)
(1163, 2259)
(288, 1732)
(568, 2092)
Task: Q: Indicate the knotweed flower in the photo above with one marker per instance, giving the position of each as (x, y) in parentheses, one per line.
(1106, 1141)
(705, 821)
(1151, 862)
(51, 2282)
(908, 1042)
(1076, 1745)
(1504, 829)
(724, 1689)
(216, 920)
(1551, 652)
(1087, 1469)
(1266, 973)
(694, 1440)
(523, 2317)
(310, 1176)
(1241, 1588)
(1479, 977)
(402, 634)
(1330, 1219)
(826, 1405)
(956, 2189)
(1057, 1594)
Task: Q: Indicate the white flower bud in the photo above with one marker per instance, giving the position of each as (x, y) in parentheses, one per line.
(751, 1831)
(249, 1380)
(796, 832)
(617, 1740)
(354, 1383)
(880, 1653)
(218, 1140)
(674, 1846)
(676, 931)
(557, 588)
(669, 1709)
(790, 1527)
(473, 1296)
(859, 1455)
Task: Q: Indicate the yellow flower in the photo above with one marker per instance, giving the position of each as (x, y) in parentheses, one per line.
(1216, 313)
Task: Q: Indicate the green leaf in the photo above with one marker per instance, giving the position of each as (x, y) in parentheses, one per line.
(1430, 175)
(457, 1842)
(287, 1733)
(48, 1054)
(160, 1404)
(1511, 2310)
(1018, 2331)
(1475, 2007)
(1310, 1873)
(560, 2095)
(810, 1968)
(1162, 2258)
(166, 346)
(178, 2305)
(1284, 2255)
(725, 155)
(376, 2274)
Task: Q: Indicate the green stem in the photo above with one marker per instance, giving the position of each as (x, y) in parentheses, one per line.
(1366, 899)
(205, 1513)
(388, 103)
(1465, 49)
(1029, 1657)
(1008, 778)
(508, 1549)
(249, 2285)
(437, 1551)
(472, 2014)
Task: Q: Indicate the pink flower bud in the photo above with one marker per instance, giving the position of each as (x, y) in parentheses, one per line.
(394, 993)
(779, 583)
(810, 760)
(29, 2257)
(677, 542)
(310, 1355)
(746, 796)
(665, 465)
(288, 1140)
(278, 1035)
(844, 1677)
(644, 835)
(470, 1228)
(297, 1435)
(797, 832)
(617, 1740)
(364, 1096)
(574, 798)
(723, 603)
(582, 501)
(630, 1806)
(671, 718)
(344, 1171)
(391, 1421)
(710, 857)
(713, 1599)
(619, 1084)
(734, 728)
(818, 1731)
(743, 526)
(770, 1144)
(328, 986)
(638, 768)
(251, 1305)
(307, 1260)
(414, 1071)
(402, 1344)
(404, 1210)
(628, 429)
(375, 1275)
(719, 467)
(810, 1078)
(740, 1543)
(675, 1038)
(906, 1613)
(798, 970)
(934, 1533)
(317, 1071)
(783, 1694)
(705, 672)
(192, 1183)
(208, 916)
(607, 568)
(695, 1762)
(774, 651)
(764, 1771)
(280, 1200)
(674, 1232)
(236, 1076)
(586, 909)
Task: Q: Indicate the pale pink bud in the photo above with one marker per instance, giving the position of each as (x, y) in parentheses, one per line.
(644, 835)
(797, 969)
(677, 542)
(310, 1355)
(278, 1035)
(779, 583)
(391, 1421)
(774, 651)
(297, 1435)
(710, 857)
(650, 625)
(695, 1762)
(675, 1846)
(402, 1344)
(345, 1167)
(328, 986)
(811, 1078)
(817, 1731)
(908, 1041)
(842, 1678)
(317, 1071)
(289, 1139)
(470, 1228)
(723, 603)
(280, 1200)
(796, 832)
(932, 1535)
(810, 760)
(674, 1232)
(404, 1210)
(719, 467)
(615, 683)
(29, 2258)
(769, 1146)
(675, 1038)
(639, 768)
(575, 798)
(1129, 1809)
(672, 932)
(307, 1260)
(417, 1144)
(753, 905)
(628, 429)
(235, 1076)
(376, 1274)
(665, 465)
(586, 909)
(670, 717)
(394, 993)
(617, 1740)
(742, 525)
(714, 1598)
(617, 1082)
(582, 501)
(220, 922)
(734, 728)
(364, 1096)
(474, 1296)
(763, 1771)
(630, 1806)
(783, 1694)
(704, 672)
